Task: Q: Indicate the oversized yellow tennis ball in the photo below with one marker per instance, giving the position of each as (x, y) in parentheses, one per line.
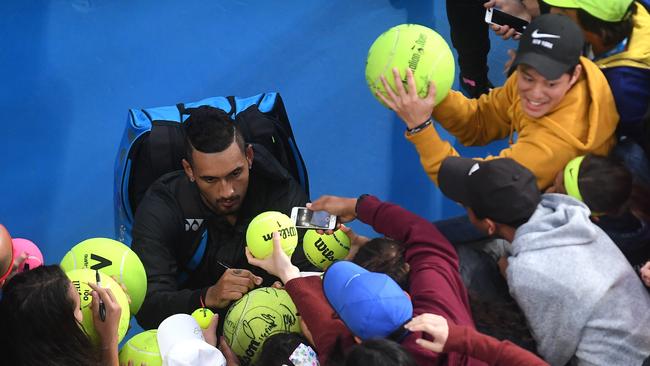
(259, 235)
(323, 250)
(416, 47)
(80, 279)
(114, 259)
(203, 316)
(255, 317)
(142, 348)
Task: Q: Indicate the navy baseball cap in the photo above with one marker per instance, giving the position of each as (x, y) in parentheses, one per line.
(372, 305)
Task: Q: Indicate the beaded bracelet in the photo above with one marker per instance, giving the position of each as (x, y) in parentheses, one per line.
(420, 127)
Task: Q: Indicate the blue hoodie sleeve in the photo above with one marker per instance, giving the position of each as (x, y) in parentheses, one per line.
(631, 89)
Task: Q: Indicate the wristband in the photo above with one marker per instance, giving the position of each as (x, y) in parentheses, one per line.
(356, 207)
(420, 127)
(203, 294)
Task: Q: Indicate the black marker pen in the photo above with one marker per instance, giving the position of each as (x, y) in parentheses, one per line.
(102, 307)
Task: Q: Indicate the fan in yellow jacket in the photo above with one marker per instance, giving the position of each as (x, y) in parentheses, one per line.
(558, 103)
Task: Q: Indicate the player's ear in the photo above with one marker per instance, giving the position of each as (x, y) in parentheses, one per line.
(188, 169)
(249, 155)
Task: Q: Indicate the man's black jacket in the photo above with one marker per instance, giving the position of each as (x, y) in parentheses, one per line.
(168, 226)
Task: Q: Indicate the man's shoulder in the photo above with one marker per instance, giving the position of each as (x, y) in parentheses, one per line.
(172, 192)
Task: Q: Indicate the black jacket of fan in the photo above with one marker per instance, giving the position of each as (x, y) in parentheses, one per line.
(168, 226)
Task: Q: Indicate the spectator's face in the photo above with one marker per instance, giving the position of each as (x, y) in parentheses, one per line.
(571, 13)
(539, 96)
(6, 249)
(479, 224)
(74, 295)
(222, 177)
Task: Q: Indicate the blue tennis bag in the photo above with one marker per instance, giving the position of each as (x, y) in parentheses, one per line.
(153, 144)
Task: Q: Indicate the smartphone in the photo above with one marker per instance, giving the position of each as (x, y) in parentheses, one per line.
(308, 219)
(498, 17)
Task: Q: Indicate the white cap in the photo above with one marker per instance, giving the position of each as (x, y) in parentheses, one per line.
(181, 343)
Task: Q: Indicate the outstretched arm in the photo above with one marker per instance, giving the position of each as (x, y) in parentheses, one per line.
(390, 220)
(448, 337)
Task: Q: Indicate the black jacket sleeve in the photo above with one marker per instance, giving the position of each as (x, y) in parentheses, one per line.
(157, 229)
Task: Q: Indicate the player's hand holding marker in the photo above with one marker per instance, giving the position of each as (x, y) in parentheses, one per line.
(231, 286)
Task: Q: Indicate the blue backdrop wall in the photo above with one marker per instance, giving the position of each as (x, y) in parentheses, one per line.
(72, 68)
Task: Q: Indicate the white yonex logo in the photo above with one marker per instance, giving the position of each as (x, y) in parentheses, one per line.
(193, 224)
(474, 168)
(536, 34)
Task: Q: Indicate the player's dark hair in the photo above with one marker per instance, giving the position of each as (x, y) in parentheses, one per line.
(210, 130)
(38, 322)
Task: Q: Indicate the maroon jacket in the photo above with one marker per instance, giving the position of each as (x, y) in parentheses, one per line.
(322, 321)
(435, 285)
(491, 350)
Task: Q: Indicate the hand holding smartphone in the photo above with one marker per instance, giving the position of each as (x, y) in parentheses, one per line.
(501, 18)
(307, 219)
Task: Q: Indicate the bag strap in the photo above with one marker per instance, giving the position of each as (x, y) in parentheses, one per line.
(164, 149)
(194, 262)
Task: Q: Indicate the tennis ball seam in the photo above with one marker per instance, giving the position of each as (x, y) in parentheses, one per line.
(390, 59)
(122, 264)
(140, 350)
(239, 322)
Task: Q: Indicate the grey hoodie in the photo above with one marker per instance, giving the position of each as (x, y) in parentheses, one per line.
(580, 295)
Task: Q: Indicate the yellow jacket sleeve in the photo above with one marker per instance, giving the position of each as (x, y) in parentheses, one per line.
(543, 155)
(476, 122)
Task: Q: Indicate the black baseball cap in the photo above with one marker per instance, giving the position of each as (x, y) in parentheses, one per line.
(498, 189)
(552, 44)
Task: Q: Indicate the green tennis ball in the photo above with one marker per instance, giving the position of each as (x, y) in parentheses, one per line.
(255, 317)
(259, 235)
(323, 250)
(416, 47)
(80, 279)
(142, 348)
(203, 316)
(114, 259)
